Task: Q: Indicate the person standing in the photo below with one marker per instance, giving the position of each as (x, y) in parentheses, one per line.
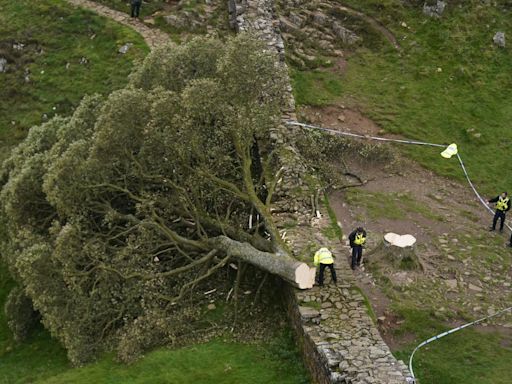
(136, 7)
(324, 258)
(357, 239)
(502, 206)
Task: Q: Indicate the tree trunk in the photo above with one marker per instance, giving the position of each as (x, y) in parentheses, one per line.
(298, 274)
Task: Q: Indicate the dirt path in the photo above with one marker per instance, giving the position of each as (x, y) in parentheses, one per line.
(153, 37)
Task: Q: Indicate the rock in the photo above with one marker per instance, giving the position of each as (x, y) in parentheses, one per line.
(308, 313)
(125, 48)
(499, 39)
(345, 35)
(474, 288)
(452, 284)
(211, 307)
(341, 118)
(320, 18)
(83, 60)
(18, 46)
(174, 21)
(326, 305)
(435, 10)
(3, 65)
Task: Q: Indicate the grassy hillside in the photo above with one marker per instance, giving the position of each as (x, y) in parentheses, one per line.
(448, 83)
(471, 355)
(214, 362)
(55, 55)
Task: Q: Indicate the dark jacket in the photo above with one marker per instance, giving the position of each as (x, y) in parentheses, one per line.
(495, 200)
(352, 237)
(136, 2)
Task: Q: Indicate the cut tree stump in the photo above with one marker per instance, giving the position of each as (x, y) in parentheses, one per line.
(400, 251)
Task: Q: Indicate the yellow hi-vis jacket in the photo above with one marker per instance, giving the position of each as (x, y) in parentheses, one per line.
(502, 203)
(323, 256)
(360, 239)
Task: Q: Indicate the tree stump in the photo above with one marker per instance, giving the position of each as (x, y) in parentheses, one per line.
(399, 250)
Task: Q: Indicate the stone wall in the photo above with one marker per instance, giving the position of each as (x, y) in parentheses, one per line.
(257, 17)
(339, 342)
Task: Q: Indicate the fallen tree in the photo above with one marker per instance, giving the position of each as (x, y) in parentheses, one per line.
(122, 209)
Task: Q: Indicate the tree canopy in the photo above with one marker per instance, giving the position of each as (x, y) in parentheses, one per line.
(113, 214)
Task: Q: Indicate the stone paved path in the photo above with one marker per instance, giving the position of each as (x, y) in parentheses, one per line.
(153, 37)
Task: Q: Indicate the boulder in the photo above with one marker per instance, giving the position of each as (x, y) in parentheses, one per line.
(345, 35)
(3, 65)
(125, 48)
(499, 39)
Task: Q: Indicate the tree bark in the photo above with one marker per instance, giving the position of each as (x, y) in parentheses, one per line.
(295, 272)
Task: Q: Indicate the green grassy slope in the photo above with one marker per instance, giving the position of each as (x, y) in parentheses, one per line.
(214, 362)
(449, 83)
(469, 356)
(56, 37)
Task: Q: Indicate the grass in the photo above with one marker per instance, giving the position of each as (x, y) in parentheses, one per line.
(448, 84)
(394, 206)
(333, 231)
(316, 87)
(312, 304)
(467, 356)
(214, 362)
(55, 41)
(41, 359)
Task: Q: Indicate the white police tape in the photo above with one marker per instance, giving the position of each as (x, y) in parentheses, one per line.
(341, 133)
(441, 335)
(414, 142)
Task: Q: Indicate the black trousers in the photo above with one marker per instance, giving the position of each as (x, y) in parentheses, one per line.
(321, 275)
(357, 254)
(498, 215)
(135, 10)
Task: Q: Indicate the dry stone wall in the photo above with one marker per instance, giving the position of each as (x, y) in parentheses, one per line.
(257, 17)
(339, 342)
